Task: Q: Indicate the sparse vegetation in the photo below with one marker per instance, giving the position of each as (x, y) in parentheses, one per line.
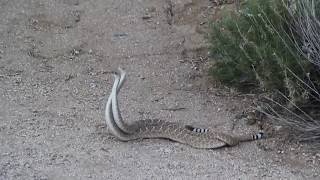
(274, 46)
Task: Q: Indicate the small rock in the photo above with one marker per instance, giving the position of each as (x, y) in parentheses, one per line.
(143, 78)
(146, 17)
(120, 35)
(27, 165)
(75, 52)
(93, 85)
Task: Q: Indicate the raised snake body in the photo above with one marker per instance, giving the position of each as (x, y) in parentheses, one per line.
(163, 129)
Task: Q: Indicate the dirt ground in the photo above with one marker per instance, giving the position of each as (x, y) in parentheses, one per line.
(56, 57)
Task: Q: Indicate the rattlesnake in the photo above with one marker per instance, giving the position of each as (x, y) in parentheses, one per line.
(152, 128)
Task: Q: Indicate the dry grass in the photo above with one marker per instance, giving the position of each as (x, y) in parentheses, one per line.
(274, 45)
(302, 118)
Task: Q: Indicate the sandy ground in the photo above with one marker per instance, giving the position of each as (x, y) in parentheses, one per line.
(55, 62)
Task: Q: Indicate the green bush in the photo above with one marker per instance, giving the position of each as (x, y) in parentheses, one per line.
(255, 47)
(274, 45)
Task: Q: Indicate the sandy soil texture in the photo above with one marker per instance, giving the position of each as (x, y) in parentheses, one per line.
(56, 57)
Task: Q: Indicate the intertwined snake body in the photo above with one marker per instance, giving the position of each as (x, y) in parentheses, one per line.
(185, 134)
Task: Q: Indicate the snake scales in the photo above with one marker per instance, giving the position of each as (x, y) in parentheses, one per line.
(162, 129)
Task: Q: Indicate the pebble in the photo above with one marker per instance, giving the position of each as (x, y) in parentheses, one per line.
(93, 85)
(146, 17)
(120, 35)
(27, 165)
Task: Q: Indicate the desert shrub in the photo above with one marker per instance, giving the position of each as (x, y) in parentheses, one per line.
(274, 45)
(254, 47)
